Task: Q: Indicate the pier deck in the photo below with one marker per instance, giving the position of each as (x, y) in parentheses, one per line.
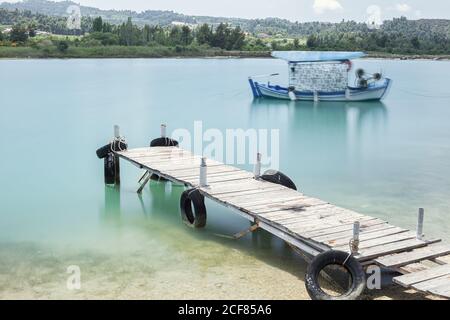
(309, 224)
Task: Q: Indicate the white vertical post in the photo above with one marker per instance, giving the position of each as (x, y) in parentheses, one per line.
(420, 219)
(257, 168)
(203, 173)
(355, 242)
(116, 131)
(347, 94)
(163, 131)
(316, 96)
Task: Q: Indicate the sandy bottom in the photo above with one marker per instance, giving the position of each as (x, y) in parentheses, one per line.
(31, 272)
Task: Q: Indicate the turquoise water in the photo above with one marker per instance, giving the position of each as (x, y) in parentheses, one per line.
(384, 159)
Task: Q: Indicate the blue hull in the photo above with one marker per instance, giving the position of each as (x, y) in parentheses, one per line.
(373, 92)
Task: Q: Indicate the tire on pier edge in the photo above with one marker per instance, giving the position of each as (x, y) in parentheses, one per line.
(280, 178)
(110, 172)
(164, 142)
(332, 257)
(193, 210)
(107, 149)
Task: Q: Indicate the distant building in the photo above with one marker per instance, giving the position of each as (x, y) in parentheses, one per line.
(180, 24)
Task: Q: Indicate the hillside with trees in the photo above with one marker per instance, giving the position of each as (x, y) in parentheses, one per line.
(188, 35)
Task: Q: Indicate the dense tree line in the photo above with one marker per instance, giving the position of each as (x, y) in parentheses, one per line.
(129, 34)
(398, 36)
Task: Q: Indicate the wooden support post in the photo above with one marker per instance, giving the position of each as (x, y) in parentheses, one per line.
(203, 173)
(163, 131)
(257, 168)
(355, 241)
(144, 182)
(116, 158)
(420, 219)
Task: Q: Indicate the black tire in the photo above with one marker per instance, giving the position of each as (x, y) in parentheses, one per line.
(353, 267)
(193, 218)
(105, 150)
(278, 178)
(110, 173)
(164, 142)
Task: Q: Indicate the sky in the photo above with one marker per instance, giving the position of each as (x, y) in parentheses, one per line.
(294, 10)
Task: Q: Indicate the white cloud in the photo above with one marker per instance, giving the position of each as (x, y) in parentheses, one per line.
(403, 7)
(320, 6)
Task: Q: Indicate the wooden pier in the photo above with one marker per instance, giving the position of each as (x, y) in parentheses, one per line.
(310, 225)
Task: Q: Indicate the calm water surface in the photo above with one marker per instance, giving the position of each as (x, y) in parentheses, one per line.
(383, 159)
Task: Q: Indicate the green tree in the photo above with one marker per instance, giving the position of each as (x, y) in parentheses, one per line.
(204, 34)
(1, 36)
(18, 34)
(126, 33)
(186, 36)
(312, 41)
(236, 39)
(97, 25)
(175, 36)
(296, 44)
(220, 36)
(62, 46)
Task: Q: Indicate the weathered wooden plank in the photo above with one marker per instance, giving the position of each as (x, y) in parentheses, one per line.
(266, 194)
(364, 244)
(231, 195)
(383, 250)
(405, 258)
(429, 285)
(218, 170)
(365, 222)
(221, 179)
(249, 205)
(289, 216)
(408, 280)
(293, 204)
(367, 233)
(442, 290)
(307, 210)
(443, 260)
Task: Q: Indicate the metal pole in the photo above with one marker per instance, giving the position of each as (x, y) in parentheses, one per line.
(355, 242)
(116, 131)
(203, 173)
(257, 168)
(163, 131)
(420, 224)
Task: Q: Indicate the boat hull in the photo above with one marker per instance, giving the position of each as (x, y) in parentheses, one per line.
(374, 92)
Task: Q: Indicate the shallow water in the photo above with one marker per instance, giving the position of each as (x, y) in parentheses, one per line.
(383, 159)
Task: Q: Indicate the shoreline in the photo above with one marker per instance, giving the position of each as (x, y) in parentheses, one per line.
(25, 53)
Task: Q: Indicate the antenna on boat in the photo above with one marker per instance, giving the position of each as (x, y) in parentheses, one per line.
(265, 75)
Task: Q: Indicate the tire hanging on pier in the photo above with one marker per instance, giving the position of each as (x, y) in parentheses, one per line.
(164, 142)
(114, 146)
(278, 177)
(339, 258)
(110, 172)
(193, 210)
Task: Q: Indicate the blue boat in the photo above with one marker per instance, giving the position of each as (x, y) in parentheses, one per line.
(322, 76)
